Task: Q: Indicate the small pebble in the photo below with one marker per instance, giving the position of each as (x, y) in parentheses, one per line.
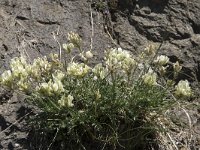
(17, 145)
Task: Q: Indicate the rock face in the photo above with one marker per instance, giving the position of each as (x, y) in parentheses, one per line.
(37, 27)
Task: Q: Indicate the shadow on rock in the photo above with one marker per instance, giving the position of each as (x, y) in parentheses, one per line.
(22, 111)
(3, 123)
(156, 6)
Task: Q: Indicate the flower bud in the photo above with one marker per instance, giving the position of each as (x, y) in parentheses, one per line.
(162, 70)
(98, 95)
(88, 54)
(177, 67)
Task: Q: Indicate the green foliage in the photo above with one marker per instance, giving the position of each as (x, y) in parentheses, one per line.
(117, 104)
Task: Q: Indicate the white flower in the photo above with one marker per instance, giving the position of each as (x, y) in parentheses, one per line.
(23, 85)
(18, 65)
(57, 86)
(59, 75)
(45, 88)
(41, 64)
(183, 89)
(99, 71)
(18, 61)
(75, 39)
(151, 49)
(19, 71)
(76, 69)
(88, 54)
(54, 57)
(51, 87)
(66, 101)
(69, 101)
(6, 77)
(68, 47)
(119, 59)
(150, 78)
(161, 60)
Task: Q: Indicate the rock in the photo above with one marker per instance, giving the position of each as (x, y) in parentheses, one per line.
(30, 27)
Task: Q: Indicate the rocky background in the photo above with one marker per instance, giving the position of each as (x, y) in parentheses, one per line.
(38, 27)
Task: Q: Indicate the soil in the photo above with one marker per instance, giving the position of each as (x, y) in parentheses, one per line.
(37, 27)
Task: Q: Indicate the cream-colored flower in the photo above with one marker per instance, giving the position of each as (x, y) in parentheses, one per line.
(18, 61)
(57, 86)
(19, 71)
(75, 39)
(151, 49)
(83, 57)
(161, 60)
(29, 69)
(18, 65)
(41, 64)
(100, 71)
(150, 78)
(66, 101)
(183, 89)
(76, 69)
(68, 47)
(69, 101)
(23, 85)
(98, 95)
(88, 54)
(54, 57)
(54, 86)
(117, 59)
(6, 77)
(59, 75)
(45, 88)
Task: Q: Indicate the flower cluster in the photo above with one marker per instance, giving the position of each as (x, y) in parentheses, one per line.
(6, 78)
(52, 87)
(183, 89)
(66, 101)
(21, 72)
(150, 78)
(77, 69)
(18, 67)
(68, 47)
(117, 59)
(39, 66)
(151, 49)
(18, 73)
(100, 71)
(161, 60)
(74, 39)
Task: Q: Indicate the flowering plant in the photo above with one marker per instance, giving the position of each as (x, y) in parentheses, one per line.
(118, 103)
